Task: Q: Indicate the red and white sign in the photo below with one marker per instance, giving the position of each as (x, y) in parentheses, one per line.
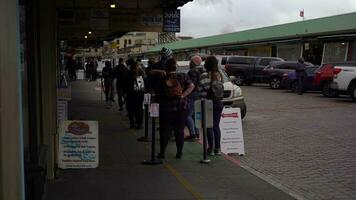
(232, 140)
(301, 13)
(154, 110)
(78, 145)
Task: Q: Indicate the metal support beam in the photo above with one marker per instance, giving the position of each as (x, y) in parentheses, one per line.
(11, 152)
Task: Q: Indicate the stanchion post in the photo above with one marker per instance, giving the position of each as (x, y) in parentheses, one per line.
(203, 113)
(153, 160)
(145, 138)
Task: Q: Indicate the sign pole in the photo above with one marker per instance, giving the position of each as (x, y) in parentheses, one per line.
(205, 156)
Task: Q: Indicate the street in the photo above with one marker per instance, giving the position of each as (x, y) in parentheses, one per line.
(304, 143)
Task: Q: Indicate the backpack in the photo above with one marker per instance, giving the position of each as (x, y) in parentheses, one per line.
(216, 91)
(139, 84)
(173, 87)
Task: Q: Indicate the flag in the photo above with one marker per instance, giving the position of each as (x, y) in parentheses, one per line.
(301, 13)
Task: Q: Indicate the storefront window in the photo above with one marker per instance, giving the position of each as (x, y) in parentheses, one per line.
(335, 52)
(290, 52)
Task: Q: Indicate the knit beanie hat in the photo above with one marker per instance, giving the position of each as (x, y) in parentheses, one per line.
(196, 60)
(166, 53)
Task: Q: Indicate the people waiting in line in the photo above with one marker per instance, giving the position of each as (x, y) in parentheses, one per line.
(194, 74)
(71, 66)
(108, 75)
(135, 89)
(175, 92)
(173, 107)
(211, 87)
(121, 72)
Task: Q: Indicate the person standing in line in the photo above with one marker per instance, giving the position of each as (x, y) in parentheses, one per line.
(95, 69)
(194, 74)
(135, 88)
(300, 74)
(108, 75)
(211, 87)
(72, 69)
(121, 72)
(173, 107)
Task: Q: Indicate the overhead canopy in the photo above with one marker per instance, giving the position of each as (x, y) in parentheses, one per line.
(77, 17)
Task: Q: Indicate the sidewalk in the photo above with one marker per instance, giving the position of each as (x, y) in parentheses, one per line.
(121, 175)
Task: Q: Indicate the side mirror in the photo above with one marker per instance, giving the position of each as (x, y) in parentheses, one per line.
(232, 78)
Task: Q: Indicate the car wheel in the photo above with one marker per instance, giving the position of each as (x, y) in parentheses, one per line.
(249, 82)
(294, 86)
(353, 92)
(327, 91)
(275, 83)
(240, 79)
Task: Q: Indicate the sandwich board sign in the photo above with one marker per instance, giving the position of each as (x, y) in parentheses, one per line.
(232, 140)
(78, 145)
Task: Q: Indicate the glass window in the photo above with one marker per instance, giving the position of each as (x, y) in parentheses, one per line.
(223, 60)
(130, 41)
(334, 52)
(241, 60)
(265, 61)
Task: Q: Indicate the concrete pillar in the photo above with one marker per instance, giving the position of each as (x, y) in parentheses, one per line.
(48, 60)
(11, 159)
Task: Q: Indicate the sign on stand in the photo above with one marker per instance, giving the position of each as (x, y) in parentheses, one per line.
(232, 140)
(154, 110)
(78, 144)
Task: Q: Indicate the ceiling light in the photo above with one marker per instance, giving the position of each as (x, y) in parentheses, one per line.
(85, 37)
(89, 32)
(112, 5)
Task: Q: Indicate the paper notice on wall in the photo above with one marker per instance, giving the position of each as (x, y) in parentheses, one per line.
(62, 110)
(78, 144)
(232, 140)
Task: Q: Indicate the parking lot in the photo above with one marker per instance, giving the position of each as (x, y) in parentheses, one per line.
(304, 144)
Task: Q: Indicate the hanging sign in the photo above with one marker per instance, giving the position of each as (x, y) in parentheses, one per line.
(78, 144)
(171, 21)
(232, 140)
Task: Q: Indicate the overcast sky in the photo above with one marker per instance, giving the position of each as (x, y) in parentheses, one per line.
(211, 17)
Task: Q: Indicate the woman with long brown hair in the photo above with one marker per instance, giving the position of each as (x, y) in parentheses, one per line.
(211, 87)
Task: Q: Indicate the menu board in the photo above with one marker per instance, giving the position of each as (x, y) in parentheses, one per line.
(78, 144)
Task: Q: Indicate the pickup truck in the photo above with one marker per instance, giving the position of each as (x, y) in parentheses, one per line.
(345, 79)
(248, 69)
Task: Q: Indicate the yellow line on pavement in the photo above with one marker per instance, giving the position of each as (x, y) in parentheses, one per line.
(184, 182)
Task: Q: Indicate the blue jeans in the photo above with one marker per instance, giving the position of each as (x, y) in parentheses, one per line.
(190, 120)
(214, 134)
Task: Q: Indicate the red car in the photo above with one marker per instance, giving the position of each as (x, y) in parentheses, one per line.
(324, 77)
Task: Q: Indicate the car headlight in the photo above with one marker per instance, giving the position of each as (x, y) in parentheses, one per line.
(236, 92)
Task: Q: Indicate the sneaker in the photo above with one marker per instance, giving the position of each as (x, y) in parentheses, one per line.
(210, 152)
(217, 152)
(179, 156)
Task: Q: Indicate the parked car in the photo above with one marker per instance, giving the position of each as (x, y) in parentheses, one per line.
(222, 59)
(324, 77)
(273, 73)
(290, 81)
(248, 69)
(232, 93)
(345, 79)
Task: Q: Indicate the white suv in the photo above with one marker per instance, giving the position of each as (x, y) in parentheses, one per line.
(345, 79)
(232, 93)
